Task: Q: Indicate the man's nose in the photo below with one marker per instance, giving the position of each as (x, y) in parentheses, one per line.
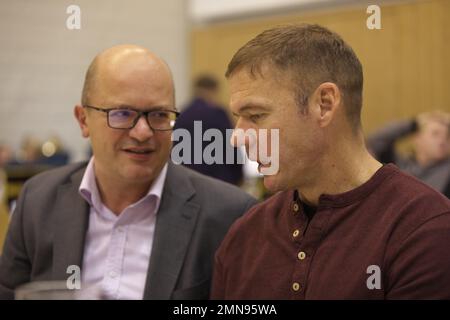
(237, 141)
(244, 135)
(141, 131)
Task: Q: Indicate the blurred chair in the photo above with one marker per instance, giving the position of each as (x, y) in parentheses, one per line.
(4, 215)
(16, 175)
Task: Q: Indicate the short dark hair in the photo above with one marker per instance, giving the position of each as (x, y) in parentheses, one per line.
(206, 82)
(311, 54)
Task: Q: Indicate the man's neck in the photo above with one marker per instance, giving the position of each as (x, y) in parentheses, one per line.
(346, 168)
(117, 195)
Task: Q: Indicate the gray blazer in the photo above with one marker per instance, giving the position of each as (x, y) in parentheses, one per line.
(48, 228)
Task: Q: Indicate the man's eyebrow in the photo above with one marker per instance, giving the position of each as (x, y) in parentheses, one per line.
(251, 107)
(154, 108)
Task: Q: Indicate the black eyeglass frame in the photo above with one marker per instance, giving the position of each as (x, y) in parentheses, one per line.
(139, 115)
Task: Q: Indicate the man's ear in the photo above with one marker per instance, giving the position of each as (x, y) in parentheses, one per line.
(80, 115)
(327, 96)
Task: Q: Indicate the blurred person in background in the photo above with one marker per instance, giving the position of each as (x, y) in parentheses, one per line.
(54, 153)
(430, 160)
(6, 154)
(205, 107)
(5, 157)
(137, 226)
(33, 158)
(30, 150)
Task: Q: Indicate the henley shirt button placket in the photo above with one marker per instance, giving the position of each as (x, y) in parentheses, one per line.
(301, 255)
(296, 287)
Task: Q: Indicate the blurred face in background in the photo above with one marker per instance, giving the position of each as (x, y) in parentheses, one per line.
(6, 155)
(130, 78)
(432, 142)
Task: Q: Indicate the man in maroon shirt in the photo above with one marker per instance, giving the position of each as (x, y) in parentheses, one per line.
(343, 225)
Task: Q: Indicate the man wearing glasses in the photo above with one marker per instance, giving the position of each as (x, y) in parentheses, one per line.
(136, 225)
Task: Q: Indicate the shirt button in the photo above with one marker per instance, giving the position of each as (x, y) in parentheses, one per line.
(113, 274)
(296, 233)
(295, 207)
(296, 286)
(301, 255)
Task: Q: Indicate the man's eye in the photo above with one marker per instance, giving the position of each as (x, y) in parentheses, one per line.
(160, 115)
(255, 117)
(122, 113)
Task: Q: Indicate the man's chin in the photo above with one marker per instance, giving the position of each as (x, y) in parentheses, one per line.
(138, 174)
(272, 183)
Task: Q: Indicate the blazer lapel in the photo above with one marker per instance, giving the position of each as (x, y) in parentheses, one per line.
(71, 221)
(175, 222)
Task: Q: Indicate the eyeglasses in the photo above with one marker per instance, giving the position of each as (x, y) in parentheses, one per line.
(126, 118)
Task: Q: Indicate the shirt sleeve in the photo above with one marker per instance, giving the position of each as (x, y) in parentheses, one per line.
(420, 269)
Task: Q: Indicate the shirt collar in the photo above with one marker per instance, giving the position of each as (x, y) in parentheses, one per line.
(346, 198)
(89, 191)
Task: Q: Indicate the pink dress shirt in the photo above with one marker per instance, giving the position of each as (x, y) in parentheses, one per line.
(118, 248)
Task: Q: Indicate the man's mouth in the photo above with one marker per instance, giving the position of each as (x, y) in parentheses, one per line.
(138, 151)
(263, 165)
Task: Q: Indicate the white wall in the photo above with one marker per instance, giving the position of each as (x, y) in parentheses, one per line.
(42, 63)
(211, 10)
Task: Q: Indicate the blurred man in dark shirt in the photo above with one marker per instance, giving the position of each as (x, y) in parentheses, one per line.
(205, 108)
